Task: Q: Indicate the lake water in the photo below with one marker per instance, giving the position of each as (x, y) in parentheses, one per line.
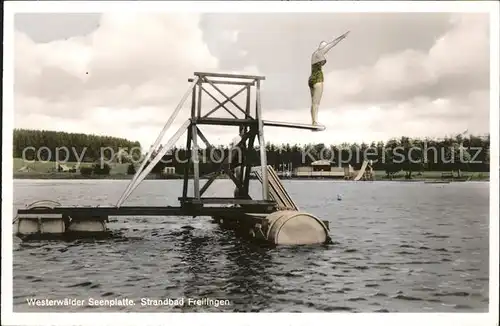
(398, 247)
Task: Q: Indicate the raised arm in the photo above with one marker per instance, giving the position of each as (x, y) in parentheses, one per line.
(331, 44)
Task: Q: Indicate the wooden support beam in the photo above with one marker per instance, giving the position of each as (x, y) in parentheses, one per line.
(217, 173)
(224, 121)
(188, 146)
(209, 182)
(227, 200)
(248, 161)
(220, 104)
(227, 97)
(84, 212)
(186, 165)
(293, 125)
(157, 142)
(227, 82)
(226, 169)
(196, 161)
(211, 74)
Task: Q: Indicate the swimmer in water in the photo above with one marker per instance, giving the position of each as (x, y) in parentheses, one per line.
(316, 79)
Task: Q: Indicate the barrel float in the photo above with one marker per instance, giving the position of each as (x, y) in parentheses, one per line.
(37, 224)
(295, 228)
(89, 224)
(52, 225)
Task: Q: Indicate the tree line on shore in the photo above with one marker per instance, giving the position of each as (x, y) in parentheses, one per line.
(469, 153)
(404, 154)
(45, 145)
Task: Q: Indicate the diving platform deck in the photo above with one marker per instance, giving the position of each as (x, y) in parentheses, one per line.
(226, 201)
(85, 212)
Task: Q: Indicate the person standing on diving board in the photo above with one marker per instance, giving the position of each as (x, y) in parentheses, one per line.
(316, 79)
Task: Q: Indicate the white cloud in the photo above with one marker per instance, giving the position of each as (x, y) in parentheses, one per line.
(131, 70)
(458, 61)
(231, 36)
(126, 77)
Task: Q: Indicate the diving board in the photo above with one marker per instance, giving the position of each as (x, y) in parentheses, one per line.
(247, 122)
(293, 125)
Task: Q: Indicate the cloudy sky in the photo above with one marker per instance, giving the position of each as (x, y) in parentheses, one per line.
(397, 74)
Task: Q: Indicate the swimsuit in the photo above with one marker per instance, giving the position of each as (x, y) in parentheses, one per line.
(316, 73)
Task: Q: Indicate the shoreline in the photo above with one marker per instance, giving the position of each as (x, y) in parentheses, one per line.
(68, 176)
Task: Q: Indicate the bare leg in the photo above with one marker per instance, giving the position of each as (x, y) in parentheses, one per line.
(316, 94)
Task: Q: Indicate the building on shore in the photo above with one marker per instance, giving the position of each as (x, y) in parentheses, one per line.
(324, 169)
(169, 170)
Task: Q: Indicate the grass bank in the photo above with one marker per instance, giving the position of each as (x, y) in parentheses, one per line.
(432, 176)
(45, 170)
(380, 176)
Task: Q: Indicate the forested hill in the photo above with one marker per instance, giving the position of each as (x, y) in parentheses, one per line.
(43, 142)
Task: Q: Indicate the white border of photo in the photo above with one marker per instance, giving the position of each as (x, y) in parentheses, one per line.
(386, 319)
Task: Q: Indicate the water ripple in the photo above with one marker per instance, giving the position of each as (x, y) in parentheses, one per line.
(401, 256)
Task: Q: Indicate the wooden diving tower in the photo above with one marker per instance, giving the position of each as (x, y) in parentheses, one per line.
(274, 218)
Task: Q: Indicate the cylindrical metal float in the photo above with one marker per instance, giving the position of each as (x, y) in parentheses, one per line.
(32, 224)
(295, 228)
(55, 225)
(90, 224)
